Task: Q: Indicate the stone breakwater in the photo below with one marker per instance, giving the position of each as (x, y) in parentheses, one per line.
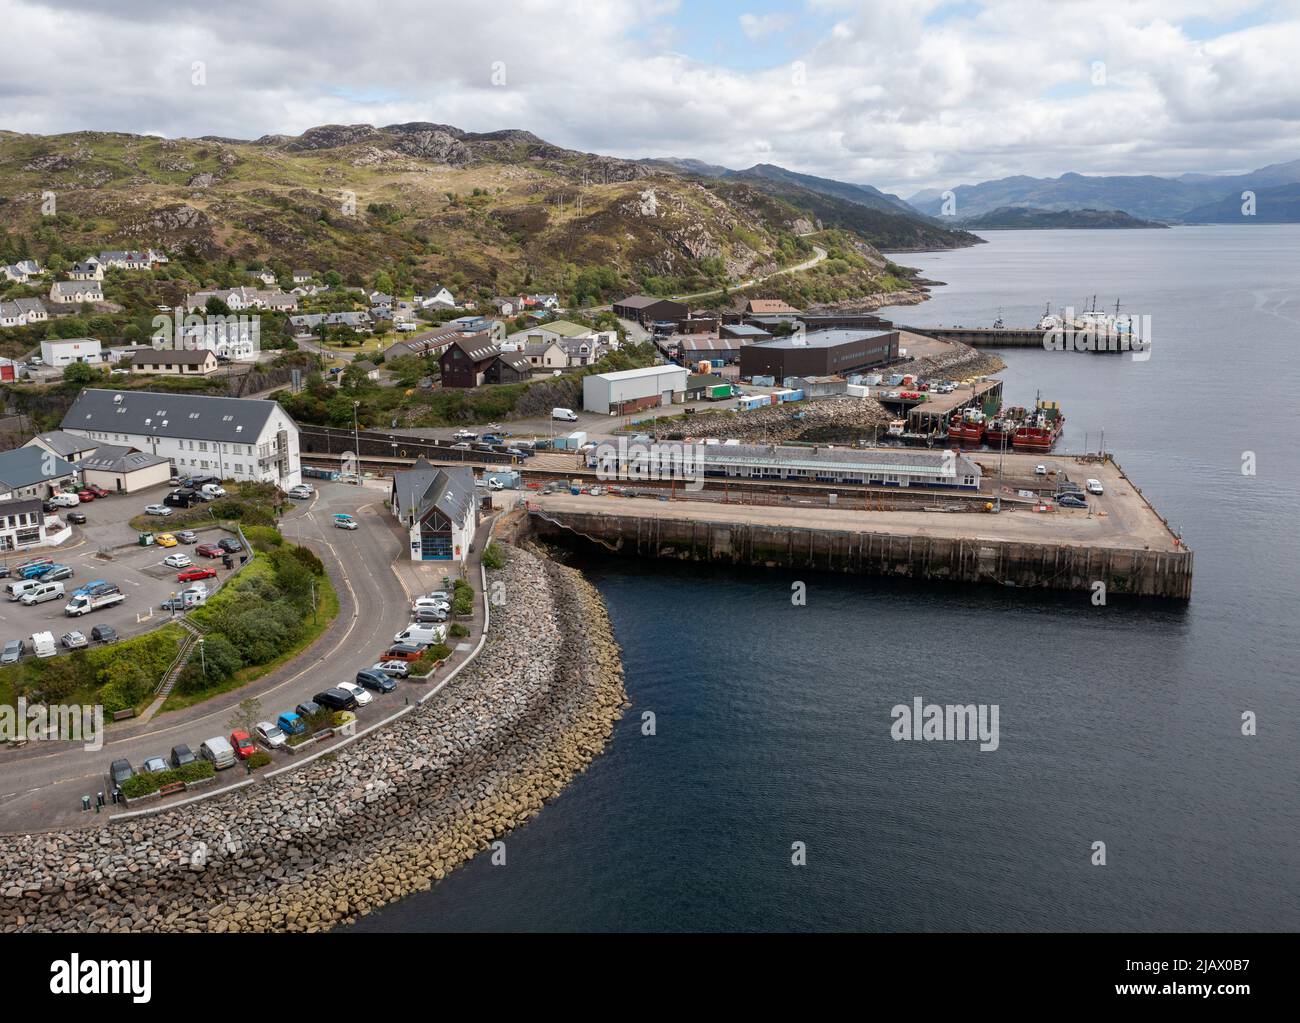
(388, 815)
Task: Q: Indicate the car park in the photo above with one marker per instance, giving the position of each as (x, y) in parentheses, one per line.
(157, 509)
(177, 561)
(74, 640)
(307, 708)
(165, 540)
(182, 755)
(379, 681)
(190, 575)
(209, 550)
(13, 651)
(242, 743)
(398, 668)
(301, 492)
(77, 518)
(104, 634)
(154, 765)
(269, 734)
(358, 693)
(336, 699)
(291, 724)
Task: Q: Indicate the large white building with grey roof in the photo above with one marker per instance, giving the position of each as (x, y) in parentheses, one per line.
(234, 438)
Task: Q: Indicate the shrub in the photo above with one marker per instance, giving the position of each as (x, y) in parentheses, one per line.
(142, 784)
(263, 538)
(259, 759)
(458, 630)
(493, 555)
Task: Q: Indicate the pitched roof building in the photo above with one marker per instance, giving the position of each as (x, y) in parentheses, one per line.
(437, 506)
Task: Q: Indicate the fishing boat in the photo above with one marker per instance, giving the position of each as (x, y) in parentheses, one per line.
(969, 427)
(1041, 430)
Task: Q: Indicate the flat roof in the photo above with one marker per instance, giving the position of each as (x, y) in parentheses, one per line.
(645, 371)
(829, 338)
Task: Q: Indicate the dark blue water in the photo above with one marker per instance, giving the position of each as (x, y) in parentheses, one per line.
(1119, 724)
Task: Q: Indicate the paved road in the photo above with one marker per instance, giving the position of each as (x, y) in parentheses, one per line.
(807, 264)
(41, 784)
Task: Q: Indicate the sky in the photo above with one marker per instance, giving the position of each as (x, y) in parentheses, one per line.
(900, 94)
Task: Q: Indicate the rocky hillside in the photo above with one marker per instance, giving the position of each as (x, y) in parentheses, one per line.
(498, 211)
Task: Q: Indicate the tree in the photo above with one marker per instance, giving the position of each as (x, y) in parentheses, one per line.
(79, 374)
(246, 715)
(216, 307)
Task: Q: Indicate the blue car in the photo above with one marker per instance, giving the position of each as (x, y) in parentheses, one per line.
(34, 571)
(490, 438)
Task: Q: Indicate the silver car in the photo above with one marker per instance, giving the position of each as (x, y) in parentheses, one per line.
(12, 652)
(74, 640)
(269, 734)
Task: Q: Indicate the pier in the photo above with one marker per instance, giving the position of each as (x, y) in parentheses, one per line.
(985, 337)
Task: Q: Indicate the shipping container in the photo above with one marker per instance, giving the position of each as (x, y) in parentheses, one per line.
(719, 392)
(763, 381)
(858, 391)
(311, 472)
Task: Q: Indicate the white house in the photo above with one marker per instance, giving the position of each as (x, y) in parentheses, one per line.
(234, 438)
(76, 292)
(67, 446)
(62, 351)
(438, 508)
(21, 311)
(89, 270)
(22, 271)
(238, 299)
(22, 524)
(124, 470)
(438, 298)
(126, 260)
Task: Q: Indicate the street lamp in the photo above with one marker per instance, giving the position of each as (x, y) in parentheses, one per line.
(356, 441)
(203, 659)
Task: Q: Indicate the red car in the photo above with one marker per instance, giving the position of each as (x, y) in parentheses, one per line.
(402, 652)
(190, 575)
(97, 490)
(209, 550)
(85, 495)
(244, 747)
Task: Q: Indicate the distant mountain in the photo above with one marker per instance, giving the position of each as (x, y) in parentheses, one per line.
(864, 195)
(1143, 196)
(1280, 205)
(1024, 218)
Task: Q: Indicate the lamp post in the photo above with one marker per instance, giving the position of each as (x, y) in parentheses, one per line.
(202, 658)
(356, 436)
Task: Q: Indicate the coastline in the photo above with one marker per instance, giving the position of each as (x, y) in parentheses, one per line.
(387, 817)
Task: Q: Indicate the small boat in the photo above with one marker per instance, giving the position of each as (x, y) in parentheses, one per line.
(1040, 431)
(969, 427)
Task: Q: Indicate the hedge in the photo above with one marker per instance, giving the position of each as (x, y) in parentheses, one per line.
(142, 784)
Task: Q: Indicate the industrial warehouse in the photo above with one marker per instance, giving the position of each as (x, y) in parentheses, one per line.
(632, 390)
(819, 353)
(948, 470)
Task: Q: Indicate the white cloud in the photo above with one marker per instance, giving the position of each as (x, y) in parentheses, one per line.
(897, 93)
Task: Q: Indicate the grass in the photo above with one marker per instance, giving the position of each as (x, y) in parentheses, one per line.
(327, 611)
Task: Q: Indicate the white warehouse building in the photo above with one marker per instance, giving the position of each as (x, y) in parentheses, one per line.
(632, 390)
(233, 438)
(65, 351)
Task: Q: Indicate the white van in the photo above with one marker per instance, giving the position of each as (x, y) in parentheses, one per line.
(65, 500)
(1095, 487)
(42, 593)
(18, 588)
(565, 414)
(219, 751)
(417, 634)
(211, 491)
(43, 644)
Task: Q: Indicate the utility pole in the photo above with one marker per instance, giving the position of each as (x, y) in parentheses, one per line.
(356, 436)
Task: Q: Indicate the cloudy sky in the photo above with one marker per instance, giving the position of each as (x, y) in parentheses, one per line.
(902, 94)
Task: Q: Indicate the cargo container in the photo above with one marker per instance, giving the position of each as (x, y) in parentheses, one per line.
(871, 379)
(719, 392)
(763, 381)
(311, 472)
(858, 391)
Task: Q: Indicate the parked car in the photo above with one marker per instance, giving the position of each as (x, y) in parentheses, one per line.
(1071, 501)
(399, 668)
(187, 536)
(301, 492)
(190, 575)
(182, 755)
(218, 751)
(357, 692)
(230, 545)
(269, 734)
(78, 518)
(209, 550)
(1040, 470)
(176, 603)
(430, 604)
(177, 561)
(13, 651)
(402, 652)
(242, 743)
(165, 540)
(74, 640)
(336, 699)
(291, 724)
(427, 615)
(464, 435)
(157, 509)
(491, 438)
(119, 771)
(97, 490)
(1095, 487)
(307, 708)
(55, 573)
(154, 765)
(379, 681)
(104, 634)
(211, 491)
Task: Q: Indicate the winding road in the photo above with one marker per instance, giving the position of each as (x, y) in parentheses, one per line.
(806, 265)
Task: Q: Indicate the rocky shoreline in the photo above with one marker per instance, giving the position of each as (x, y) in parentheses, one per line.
(385, 817)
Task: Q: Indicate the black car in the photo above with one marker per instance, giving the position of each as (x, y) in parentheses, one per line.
(104, 634)
(375, 680)
(337, 699)
(78, 517)
(181, 755)
(230, 545)
(306, 709)
(120, 771)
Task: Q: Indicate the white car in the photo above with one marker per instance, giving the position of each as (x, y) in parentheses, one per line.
(178, 560)
(65, 500)
(301, 492)
(363, 696)
(269, 734)
(157, 509)
(400, 669)
(74, 640)
(464, 435)
(1040, 470)
(430, 604)
(1095, 487)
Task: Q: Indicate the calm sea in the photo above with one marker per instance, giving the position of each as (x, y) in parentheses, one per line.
(1120, 725)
